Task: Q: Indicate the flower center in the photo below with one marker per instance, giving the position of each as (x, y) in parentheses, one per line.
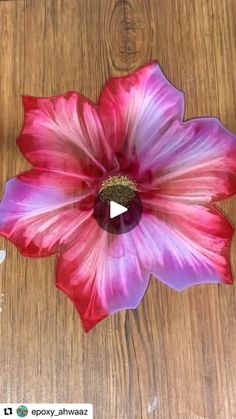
(119, 189)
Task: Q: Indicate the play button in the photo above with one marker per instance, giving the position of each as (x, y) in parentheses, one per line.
(116, 209)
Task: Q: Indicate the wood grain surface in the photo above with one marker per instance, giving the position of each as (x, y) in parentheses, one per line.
(175, 356)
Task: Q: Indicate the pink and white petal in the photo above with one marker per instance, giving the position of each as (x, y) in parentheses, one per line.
(38, 208)
(191, 243)
(65, 134)
(137, 109)
(195, 162)
(104, 274)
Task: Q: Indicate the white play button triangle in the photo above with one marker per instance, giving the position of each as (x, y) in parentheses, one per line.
(116, 209)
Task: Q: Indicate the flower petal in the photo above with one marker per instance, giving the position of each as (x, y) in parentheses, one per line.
(136, 109)
(101, 273)
(38, 208)
(113, 273)
(65, 134)
(190, 243)
(195, 162)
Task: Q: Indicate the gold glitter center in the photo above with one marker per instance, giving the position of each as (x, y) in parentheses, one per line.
(119, 189)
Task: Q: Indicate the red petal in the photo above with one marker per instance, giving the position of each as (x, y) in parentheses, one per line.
(38, 208)
(102, 273)
(195, 162)
(190, 243)
(64, 134)
(136, 109)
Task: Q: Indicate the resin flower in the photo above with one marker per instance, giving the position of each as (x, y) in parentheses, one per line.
(132, 148)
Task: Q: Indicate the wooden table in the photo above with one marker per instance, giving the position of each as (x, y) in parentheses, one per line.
(175, 356)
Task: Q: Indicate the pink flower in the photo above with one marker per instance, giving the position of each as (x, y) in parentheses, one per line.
(135, 132)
